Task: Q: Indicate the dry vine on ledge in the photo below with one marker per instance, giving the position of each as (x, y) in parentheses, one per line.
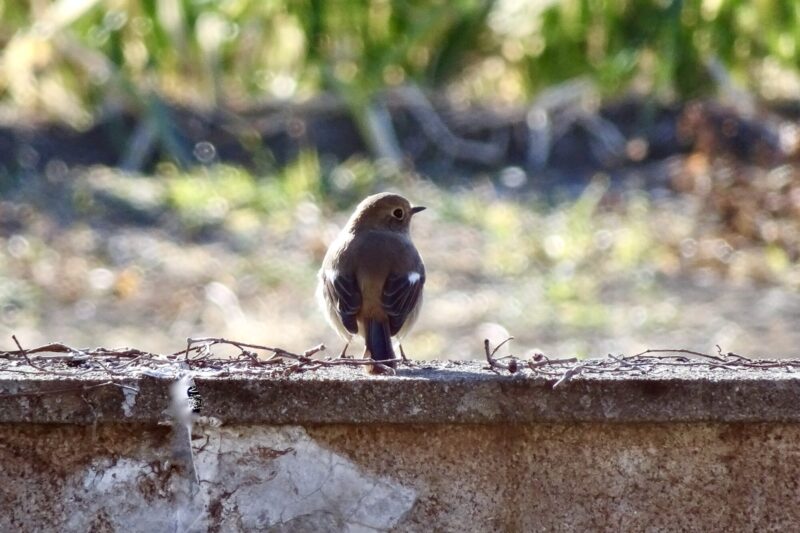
(61, 359)
(650, 361)
(115, 365)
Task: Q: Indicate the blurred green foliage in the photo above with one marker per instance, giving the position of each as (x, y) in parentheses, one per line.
(71, 58)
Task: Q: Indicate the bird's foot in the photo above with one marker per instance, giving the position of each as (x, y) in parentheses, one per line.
(380, 369)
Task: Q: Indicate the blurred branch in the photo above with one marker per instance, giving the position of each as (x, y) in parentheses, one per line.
(141, 145)
(440, 135)
(168, 131)
(556, 109)
(375, 123)
(741, 99)
(371, 117)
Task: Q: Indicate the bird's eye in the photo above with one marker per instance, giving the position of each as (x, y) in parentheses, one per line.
(398, 214)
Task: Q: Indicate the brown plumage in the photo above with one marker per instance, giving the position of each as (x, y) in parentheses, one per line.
(372, 276)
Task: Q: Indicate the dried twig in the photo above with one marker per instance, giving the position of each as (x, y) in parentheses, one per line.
(649, 361)
(540, 360)
(671, 350)
(494, 363)
(256, 359)
(197, 354)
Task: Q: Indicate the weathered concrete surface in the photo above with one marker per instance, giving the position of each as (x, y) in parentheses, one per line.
(443, 477)
(587, 477)
(127, 478)
(444, 447)
(437, 393)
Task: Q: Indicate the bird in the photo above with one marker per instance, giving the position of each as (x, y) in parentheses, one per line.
(371, 279)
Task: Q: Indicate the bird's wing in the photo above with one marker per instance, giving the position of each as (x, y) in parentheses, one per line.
(343, 291)
(400, 295)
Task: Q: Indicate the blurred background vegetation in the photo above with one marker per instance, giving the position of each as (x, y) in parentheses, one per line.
(602, 175)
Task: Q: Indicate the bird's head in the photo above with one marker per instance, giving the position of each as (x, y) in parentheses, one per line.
(384, 211)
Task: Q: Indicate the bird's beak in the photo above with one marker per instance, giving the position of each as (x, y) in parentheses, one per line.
(417, 209)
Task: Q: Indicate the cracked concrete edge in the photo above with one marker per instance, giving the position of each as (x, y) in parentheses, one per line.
(436, 394)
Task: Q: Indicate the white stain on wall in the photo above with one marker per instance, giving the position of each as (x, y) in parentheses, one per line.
(248, 478)
(129, 400)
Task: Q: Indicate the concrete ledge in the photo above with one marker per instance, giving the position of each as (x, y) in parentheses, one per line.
(402, 478)
(433, 393)
(438, 447)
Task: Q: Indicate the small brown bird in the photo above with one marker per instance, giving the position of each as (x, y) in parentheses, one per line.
(372, 276)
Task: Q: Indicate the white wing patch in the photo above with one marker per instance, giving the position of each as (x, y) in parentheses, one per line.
(413, 277)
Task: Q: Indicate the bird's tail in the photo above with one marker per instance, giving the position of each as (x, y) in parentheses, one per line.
(379, 341)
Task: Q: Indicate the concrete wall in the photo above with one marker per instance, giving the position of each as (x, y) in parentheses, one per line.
(498, 453)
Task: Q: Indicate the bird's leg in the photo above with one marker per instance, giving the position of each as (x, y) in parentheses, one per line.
(402, 354)
(343, 355)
